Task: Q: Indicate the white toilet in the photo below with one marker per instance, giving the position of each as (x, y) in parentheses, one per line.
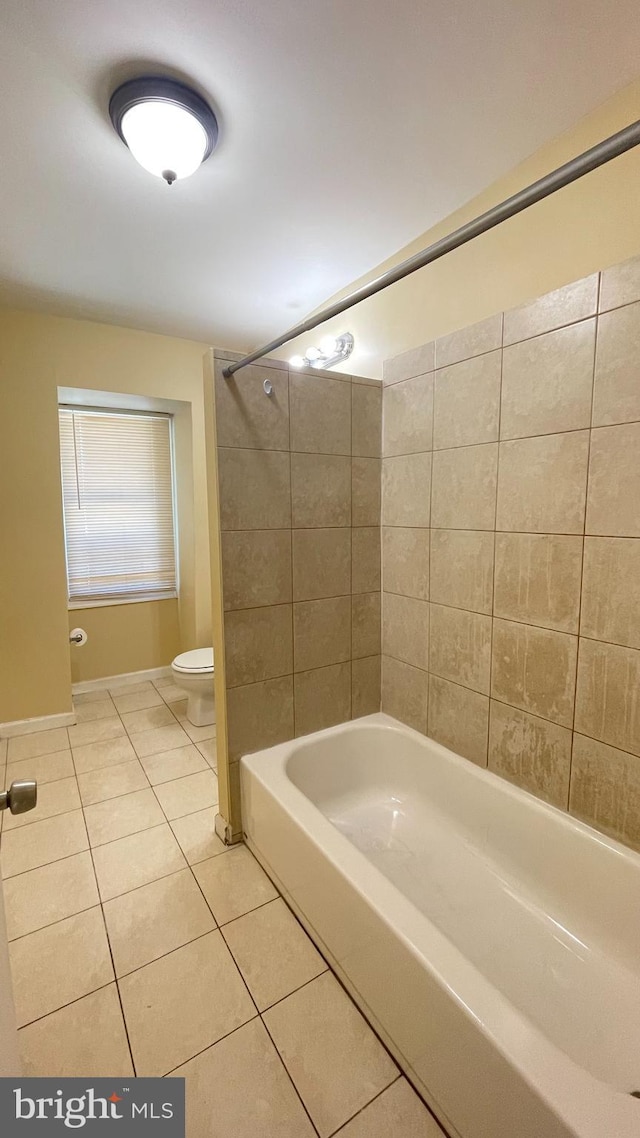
(193, 671)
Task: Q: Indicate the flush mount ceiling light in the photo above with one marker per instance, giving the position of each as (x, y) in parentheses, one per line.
(333, 350)
(168, 127)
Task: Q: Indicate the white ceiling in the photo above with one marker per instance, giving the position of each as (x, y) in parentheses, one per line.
(348, 128)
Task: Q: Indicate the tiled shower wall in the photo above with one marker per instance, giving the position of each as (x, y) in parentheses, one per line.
(511, 545)
(299, 488)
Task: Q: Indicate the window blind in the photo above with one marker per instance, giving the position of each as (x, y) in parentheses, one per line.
(117, 485)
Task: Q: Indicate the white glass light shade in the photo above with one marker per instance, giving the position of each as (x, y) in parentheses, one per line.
(297, 361)
(328, 345)
(164, 137)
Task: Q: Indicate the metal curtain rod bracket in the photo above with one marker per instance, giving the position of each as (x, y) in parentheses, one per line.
(576, 168)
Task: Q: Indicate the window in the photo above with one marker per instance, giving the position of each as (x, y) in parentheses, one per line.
(117, 487)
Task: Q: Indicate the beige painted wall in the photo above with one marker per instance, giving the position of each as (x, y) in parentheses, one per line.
(39, 353)
(124, 638)
(585, 227)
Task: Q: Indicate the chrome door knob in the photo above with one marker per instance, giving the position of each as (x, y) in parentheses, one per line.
(21, 796)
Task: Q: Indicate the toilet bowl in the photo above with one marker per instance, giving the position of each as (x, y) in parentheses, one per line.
(193, 671)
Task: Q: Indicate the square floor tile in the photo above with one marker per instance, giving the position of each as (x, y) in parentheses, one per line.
(208, 748)
(96, 731)
(61, 963)
(197, 837)
(58, 797)
(186, 795)
(155, 919)
(240, 1088)
(147, 719)
(134, 861)
(319, 1029)
(87, 1039)
(108, 753)
(37, 743)
(173, 764)
(42, 843)
(96, 709)
(44, 768)
(397, 1111)
(170, 692)
(111, 782)
(131, 689)
(273, 952)
(137, 700)
(96, 695)
(182, 1003)
(159, 739)
(48, 894)
(234, 884)
(118, 817)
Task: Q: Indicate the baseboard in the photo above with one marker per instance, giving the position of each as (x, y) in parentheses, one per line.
(125, 680)
(40, 723)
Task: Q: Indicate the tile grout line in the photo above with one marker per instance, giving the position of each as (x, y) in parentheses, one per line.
(493, 567)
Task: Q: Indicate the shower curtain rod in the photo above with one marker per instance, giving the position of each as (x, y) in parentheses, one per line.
(591, 159)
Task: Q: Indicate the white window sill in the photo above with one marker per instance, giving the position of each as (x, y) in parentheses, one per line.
(100, 604)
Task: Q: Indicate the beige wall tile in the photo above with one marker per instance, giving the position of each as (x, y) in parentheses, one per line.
(405, 693)
(320, 414)
(547, 382)
(538, 579)
(605, 789)
(565, 305)
(464, 487)
(366, 478)
(459, 718)
(462, 569)
(321, 563)
(256, 568)
(244, 416)
(485, 336)
(467, 402)
(460, 646)
(616, 395)
(407, 416)
(321, 632)
(365, 686)
(365, 559)
(405, 629)
(611, 590)
(258, 644)
(620, 284)
(321, 489)
(406, 490)
(366, 420)
(259, 715)
(613, 502)
(534, 669)
(416, 361)
(608, 694)
(405, 561)
(255, 489)
(542, 483)
(322, 698)
(366, 624)
(531, 752)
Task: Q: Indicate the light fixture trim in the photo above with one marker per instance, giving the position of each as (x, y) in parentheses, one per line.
(162, 89)
(343, 346)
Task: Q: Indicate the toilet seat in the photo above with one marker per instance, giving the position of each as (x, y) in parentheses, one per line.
(198, 661)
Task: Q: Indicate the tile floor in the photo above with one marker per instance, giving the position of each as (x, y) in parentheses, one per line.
(140, 945)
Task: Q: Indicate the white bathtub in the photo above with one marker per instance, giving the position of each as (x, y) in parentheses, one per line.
(491, 940)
